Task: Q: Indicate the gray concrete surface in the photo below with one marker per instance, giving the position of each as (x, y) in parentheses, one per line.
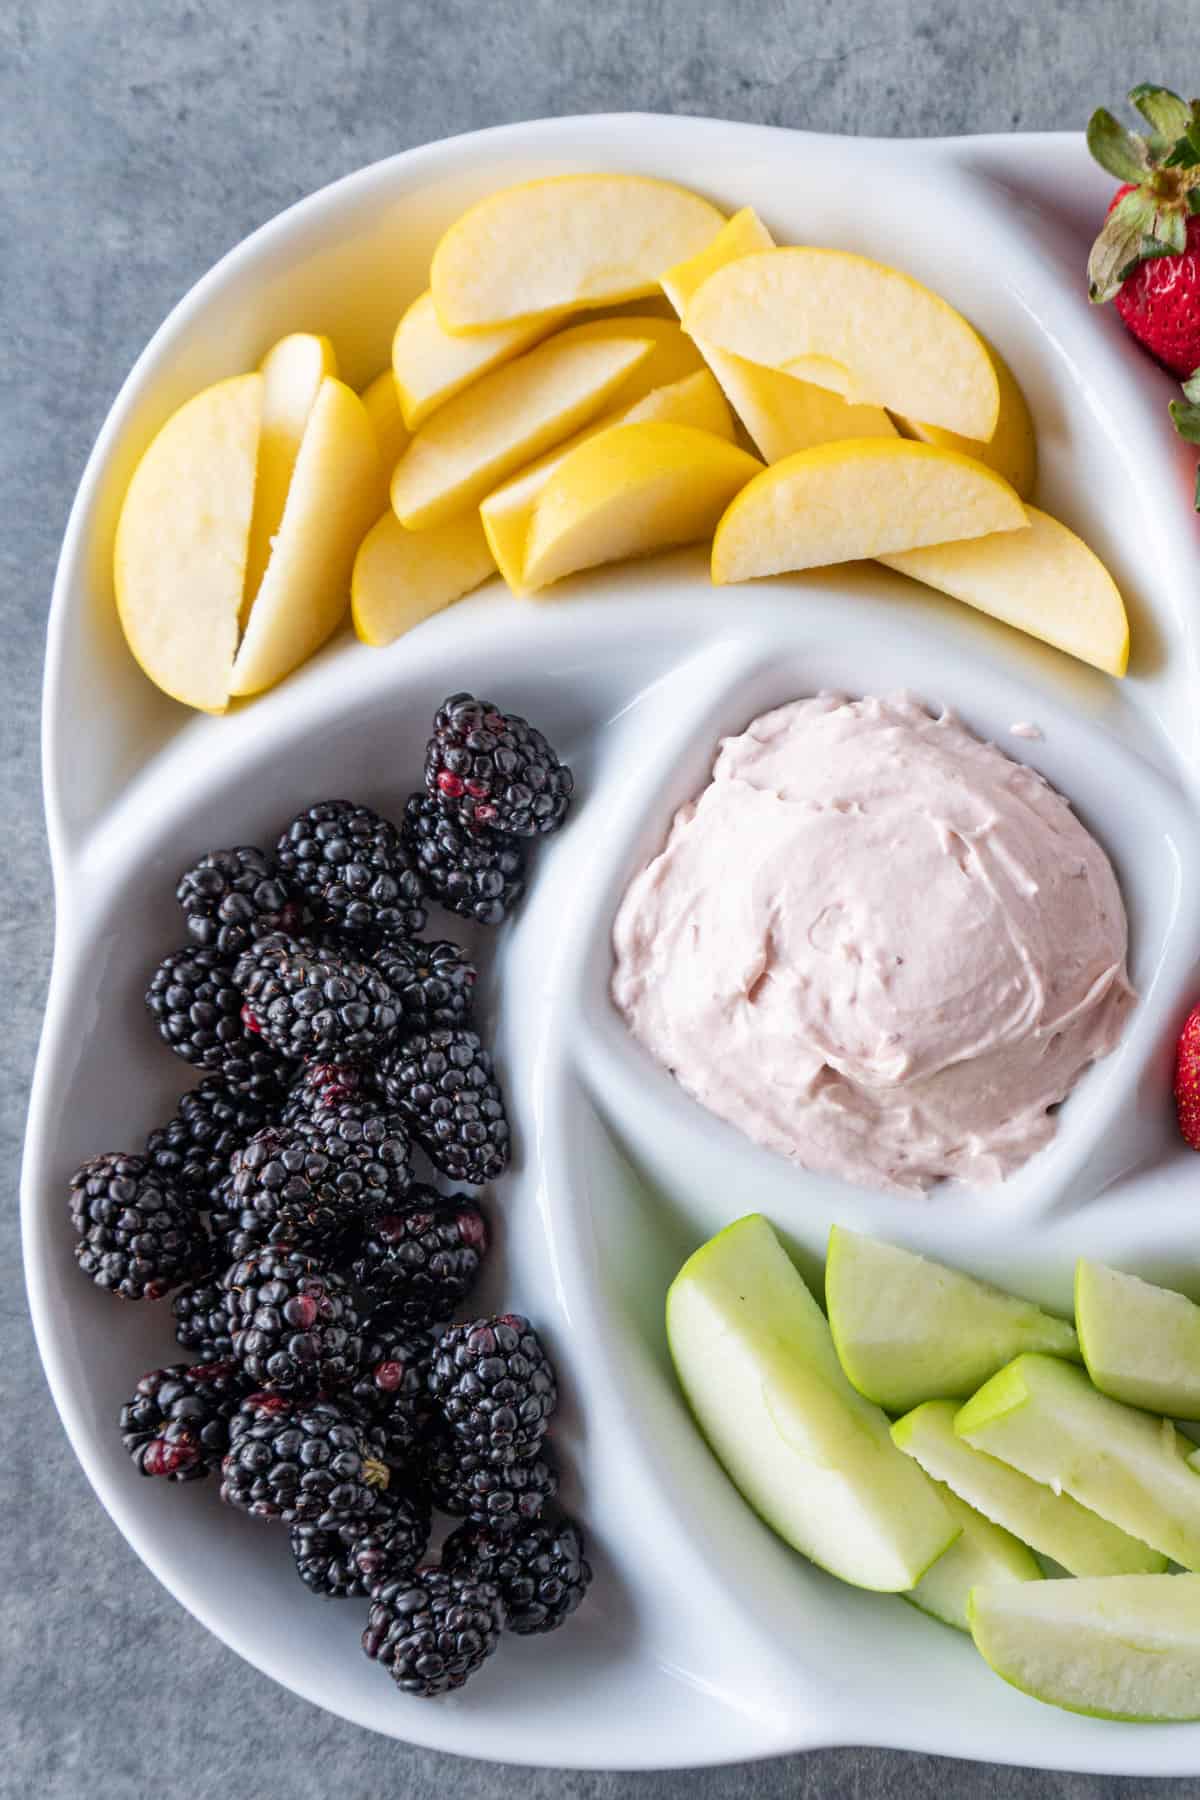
(139, 139)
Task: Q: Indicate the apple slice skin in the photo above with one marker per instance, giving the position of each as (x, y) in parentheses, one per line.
(402, 577)
(431, 365)
(984, 1553)
(1044, 1417)
(892, 342)
(184, 530)
(566, 241)
(383, 409)
(1141, 1343)
(858, 498)
(907, 1329)
(810, 1455)
(1121, 1647)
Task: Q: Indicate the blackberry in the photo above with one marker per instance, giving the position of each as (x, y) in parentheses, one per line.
(540, 1570)
(231, 897)
(302, 1463)
(202, 1321)
(309, 1000)
(282, 1191)
(353, 869)
(434, 983)
(392, 1384)
(344, 1562)
(444, 1085)
(495, 1387)
(490, 768)
(466, 871)
(137, 1236)
(467, 1485)
(294, 1324)
(422, 1258)
(322, 1084)
(432, 1629)
(212, 1122)
(177, 1423)
(197, 1008)
(367, 1150)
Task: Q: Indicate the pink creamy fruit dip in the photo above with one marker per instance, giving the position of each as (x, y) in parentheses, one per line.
(876, 945)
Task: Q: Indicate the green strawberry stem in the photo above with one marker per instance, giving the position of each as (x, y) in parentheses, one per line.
(1162, 170)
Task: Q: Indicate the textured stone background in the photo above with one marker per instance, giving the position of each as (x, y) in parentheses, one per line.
(139, 139)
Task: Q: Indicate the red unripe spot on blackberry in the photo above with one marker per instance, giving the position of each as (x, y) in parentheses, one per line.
(389, 1375)
(164, 1459)
(484, 813)
(472, 1230)
(450, 785)
(301, 1311)
(250, 1022)
(478, 790)
(495, 721)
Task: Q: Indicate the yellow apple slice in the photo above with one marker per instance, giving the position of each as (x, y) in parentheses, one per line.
(401, 577)
(672, 352)
(383, 409)
(629, 491)
(780, 413)
(509, 417)
(1045, 581)
(864, 497)
(571, 240)
(293, 370)
(336, 491)
(506, 514)
(179, 560)
(902, 345)
(1012, 451)
(431, 365)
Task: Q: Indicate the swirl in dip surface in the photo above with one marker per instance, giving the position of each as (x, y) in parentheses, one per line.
(877, 945)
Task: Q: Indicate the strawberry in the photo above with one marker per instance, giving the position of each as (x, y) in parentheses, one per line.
(1187, 1079)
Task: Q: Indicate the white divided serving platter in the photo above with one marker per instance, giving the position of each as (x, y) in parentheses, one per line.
(705, 1639)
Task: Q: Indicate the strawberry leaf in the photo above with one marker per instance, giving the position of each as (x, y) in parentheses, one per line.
(1170, 232)
(1121, 244)
(1191, 386)
(1167, 115)
(1187, 420)
(1121, 152)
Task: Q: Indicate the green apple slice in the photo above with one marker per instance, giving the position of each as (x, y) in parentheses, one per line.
(1141, 1343)
(1123, 1648)
(1045, 1418)
(1053, 1524)
(814, 1459)
(984, 1554)
(907, 1329)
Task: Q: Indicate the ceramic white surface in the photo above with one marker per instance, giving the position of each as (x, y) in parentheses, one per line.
(705, 1639)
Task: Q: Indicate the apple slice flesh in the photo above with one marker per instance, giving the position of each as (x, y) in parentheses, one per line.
(907, 1329)
(983, 1553)
(337, 489)
(431, 365)
(179, 559)
(1123, 1648)
(780, 413)
(1045, 1418)
(293, 370)
(630, 491)
(1012, 448)
(813, 1458)
(506, 419)
(1141, 1343)
(383, 409)
(1045, 581)
(864, 497)
(567, 241)
(401, 577)
(508, 513)
(1050, 1522)
(899, 344)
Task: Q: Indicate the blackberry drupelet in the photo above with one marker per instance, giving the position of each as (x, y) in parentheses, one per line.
(422, 1258)
(462, 867)
(469, 1486)
(494, 1386)
(302, 1463)
(344, 1562)
(294, 1324)
(353, 869)
(176, 1425)
(194, 1148)
(281, 1191)
(444, 1085)
(392, 1385)
(434, 982)
(231, 897)
(310, 1000)
(138, 1237)
(489, 768)
(197, 1008)
(202, 1321)
(540, 1570)
(321, 1085)
(432, 1629)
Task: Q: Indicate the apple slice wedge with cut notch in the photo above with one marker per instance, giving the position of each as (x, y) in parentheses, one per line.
(431, 365)
(292, 371)
(1012, 448)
